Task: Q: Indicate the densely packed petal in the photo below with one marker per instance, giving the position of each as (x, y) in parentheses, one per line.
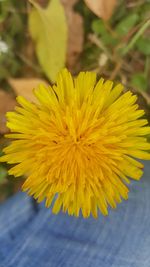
(78, 145)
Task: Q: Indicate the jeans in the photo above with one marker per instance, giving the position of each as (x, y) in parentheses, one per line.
(38, 238)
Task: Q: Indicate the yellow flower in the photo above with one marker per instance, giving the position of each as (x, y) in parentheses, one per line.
(78, 144)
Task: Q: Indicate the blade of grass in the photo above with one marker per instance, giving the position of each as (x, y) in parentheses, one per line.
(136, 37)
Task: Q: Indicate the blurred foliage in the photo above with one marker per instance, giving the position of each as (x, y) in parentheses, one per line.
(103, 52)
(13, 21)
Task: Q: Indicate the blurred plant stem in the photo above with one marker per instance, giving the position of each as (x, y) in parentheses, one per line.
(135, 38)
(93, 38)
(29, 63)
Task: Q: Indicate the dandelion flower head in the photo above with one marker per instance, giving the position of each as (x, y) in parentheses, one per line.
(78, 145)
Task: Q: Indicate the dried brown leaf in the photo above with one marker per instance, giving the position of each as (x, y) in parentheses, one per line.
(69, 3)
(102, 8)
(42, 3)
(24, 87)
(76, 32)
(7, 103)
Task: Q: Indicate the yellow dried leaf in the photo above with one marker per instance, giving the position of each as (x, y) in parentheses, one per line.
(48, 29)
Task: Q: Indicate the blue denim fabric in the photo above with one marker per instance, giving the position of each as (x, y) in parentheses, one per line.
(42, 239)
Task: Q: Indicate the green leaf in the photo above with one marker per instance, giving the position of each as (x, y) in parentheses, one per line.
(99, 29)
(48, 29)
(139, 81)
(3, 174)
(127, 24)
(143, 45)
